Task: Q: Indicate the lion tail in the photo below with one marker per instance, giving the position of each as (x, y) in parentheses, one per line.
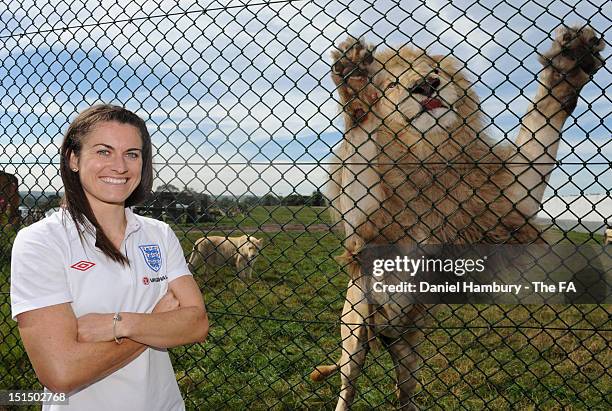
(321, 372)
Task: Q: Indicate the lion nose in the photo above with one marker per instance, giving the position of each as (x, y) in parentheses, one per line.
(427, 87)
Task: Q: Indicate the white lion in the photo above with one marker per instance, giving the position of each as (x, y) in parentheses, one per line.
(216, 251)
(415, 166)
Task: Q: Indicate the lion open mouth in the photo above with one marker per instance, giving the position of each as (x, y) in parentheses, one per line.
(431, 103)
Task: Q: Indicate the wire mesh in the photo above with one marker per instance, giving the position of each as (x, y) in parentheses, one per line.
(247, 123)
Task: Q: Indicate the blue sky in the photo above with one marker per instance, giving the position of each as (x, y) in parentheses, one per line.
(251, 84)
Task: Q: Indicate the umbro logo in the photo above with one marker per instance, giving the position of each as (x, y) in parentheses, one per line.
(82, 265)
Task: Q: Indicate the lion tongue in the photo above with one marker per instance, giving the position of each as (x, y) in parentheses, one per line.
(432, 103)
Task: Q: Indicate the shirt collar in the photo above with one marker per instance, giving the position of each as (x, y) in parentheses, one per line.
(132, 222)
(89, 231)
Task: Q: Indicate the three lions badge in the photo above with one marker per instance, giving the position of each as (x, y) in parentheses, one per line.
(152, 256)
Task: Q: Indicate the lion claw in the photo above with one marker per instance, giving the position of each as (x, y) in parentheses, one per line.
(575, 48)
(352, 71)
(352, 58)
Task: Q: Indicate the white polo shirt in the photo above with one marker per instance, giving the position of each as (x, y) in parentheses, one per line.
(50, 265)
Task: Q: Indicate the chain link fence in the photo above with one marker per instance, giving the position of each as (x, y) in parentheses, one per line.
(244, 117)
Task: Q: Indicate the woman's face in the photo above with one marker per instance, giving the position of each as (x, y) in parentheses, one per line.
(110, 163)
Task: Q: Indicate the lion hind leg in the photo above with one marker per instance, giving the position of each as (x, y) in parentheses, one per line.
(406, 362)
(354, 333)
(354, 350)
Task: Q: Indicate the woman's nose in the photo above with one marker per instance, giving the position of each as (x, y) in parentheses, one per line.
(119, 165)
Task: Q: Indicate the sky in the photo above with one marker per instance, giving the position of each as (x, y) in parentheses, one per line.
(237, 96)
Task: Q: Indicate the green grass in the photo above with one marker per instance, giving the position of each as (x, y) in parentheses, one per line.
(15, 369)
(267, 333)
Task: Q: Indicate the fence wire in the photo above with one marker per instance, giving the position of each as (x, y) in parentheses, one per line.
(254, 107)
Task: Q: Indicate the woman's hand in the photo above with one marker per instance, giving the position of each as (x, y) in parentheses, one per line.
(95, 327)
(168, 302)
(178, 318)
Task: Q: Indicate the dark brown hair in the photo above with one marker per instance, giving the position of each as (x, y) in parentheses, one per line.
(75, 200)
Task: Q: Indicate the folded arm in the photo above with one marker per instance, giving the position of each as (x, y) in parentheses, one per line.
(184, 323)
(68, 353)
(187, 324)
(61, 362)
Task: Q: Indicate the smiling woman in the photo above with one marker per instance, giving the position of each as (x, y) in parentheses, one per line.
(99, 292)
(109, 166)
(95, 138)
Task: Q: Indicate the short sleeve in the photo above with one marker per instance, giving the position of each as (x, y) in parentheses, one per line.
(176, 265)
(38, 278)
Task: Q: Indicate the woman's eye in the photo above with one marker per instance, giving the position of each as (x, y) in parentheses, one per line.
(392, 85)
(132, 155)
(103, 152)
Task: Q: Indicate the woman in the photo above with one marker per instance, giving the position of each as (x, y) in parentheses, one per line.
(99, 293)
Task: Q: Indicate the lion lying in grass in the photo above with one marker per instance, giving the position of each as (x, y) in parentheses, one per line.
(416, 167)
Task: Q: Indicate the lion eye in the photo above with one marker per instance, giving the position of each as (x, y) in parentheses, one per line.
(392, 85)
(436, 71)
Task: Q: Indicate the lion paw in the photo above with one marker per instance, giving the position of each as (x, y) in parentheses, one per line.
(571, 61)
(575, 49)
(352, 70)
(352, 60)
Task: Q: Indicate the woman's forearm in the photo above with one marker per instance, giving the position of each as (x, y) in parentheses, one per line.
(84, 363)
(166, 329)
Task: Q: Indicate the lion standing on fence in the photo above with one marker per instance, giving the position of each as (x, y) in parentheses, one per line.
(415, 166)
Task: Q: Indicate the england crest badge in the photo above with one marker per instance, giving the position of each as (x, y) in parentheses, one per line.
(152, 256)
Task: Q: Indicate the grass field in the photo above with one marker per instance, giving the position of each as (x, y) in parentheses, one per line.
(269, 332)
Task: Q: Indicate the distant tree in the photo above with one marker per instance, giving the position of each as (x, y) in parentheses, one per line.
(189, 190)
(199, 195)
(188, 196)
(8, 232)
(167, 187)
(316, 199)
(249, 201)
(225, 203)
(48, 202)
(271, 200)
(294, 200)
(28, 199)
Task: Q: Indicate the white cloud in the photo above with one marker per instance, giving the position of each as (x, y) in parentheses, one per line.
(217, 177)
(275, 61)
